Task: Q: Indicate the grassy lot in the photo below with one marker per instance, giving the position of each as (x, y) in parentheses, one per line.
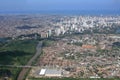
(15, 53)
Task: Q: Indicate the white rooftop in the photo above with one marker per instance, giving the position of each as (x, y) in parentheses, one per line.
(42, 72)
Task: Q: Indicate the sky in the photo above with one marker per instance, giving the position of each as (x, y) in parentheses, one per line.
(49, 5)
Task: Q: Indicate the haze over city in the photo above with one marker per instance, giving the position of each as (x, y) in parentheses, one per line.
(60, 6)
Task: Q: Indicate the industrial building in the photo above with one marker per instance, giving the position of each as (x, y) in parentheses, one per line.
(50, 73)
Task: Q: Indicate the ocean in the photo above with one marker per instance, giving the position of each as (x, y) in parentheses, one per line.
(67, 12)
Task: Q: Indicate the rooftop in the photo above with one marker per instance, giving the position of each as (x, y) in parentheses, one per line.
(53, 71)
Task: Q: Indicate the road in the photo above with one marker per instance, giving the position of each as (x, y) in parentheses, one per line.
(25, 70)
(16, 66)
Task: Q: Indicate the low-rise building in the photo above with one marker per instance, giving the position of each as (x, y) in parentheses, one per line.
(50, 73)
(44, 35)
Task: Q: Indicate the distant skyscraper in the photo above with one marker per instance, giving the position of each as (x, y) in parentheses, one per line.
(49, 33)
(57, 31)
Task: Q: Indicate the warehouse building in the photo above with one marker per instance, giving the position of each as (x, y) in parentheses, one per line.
(50, 73)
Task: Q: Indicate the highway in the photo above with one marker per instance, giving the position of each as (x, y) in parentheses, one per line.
(16, 66)
(25, 70)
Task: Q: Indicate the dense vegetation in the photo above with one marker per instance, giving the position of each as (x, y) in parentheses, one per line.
(78, 43)
(16, 52)
(47, 43)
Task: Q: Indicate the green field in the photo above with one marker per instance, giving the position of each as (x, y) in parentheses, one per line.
(17, 52)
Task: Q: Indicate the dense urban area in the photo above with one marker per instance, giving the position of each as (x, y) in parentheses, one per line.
(48, 46)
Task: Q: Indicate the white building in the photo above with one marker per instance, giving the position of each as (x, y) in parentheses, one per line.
(50, 73)
(57, 31)
(49, 33)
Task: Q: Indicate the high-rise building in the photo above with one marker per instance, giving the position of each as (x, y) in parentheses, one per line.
(49, 33)
(57, 31)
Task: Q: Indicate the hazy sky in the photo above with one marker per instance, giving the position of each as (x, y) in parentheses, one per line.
(37, 5)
